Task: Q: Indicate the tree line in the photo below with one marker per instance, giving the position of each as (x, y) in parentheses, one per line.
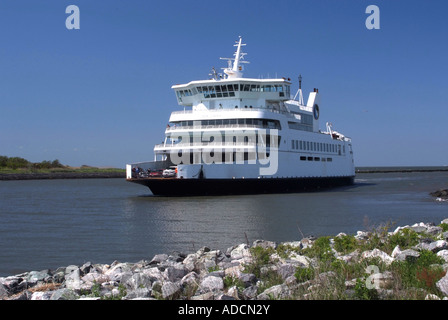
(17, 162)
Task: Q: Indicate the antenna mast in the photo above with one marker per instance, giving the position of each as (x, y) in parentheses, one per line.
(299, 92)
(235, 70)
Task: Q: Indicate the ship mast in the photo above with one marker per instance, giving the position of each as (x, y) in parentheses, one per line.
(299, 92)
(235, 70)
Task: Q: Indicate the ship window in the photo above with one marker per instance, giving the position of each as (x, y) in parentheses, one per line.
(302, 158)
(232, 121)
(297, 144)
(316, 159)
(218, 122)
(255, 88)
(329, 159)
(293, 144)
(225, 121)
(240, 121)
(310, 158)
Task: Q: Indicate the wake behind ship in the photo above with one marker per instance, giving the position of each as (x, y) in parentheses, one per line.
(245, 136)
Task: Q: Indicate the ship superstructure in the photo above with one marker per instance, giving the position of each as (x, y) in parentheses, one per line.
(245, 135)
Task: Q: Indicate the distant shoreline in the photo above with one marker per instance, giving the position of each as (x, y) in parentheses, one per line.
(400, 169)
(117, 173)
(62, 175)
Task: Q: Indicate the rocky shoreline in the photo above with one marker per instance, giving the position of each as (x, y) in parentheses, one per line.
(410, 262)
(440, 195)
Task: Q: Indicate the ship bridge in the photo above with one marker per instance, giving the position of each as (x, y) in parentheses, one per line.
(231, 90)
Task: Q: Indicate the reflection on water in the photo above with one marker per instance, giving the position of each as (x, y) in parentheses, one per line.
(52, 223)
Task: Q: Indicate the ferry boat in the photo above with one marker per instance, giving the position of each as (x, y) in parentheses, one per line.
(241, 135)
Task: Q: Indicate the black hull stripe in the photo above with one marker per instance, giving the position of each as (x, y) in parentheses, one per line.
(201, 187)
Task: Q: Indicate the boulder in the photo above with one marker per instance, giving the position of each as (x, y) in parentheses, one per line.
(276, 292)
(176, 272)
(264, 244)
(249, 279)
(286, 270)
(250, 292)
(137, 281)
(441, 193)
(4, 292)
(41, 295)
(138, 293)
(407, 255)
(36, 276)
(442, 285)
(443, 254)
(170, 290)
(73, 280)
(212, 284)
(64, 294)
(438, 245)
(376, 253)
(240, 252)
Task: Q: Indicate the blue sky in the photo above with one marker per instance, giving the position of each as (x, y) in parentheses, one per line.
(102, 96)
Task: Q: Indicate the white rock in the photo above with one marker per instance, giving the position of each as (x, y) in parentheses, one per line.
(301, 259)
(41, 295)
(431, 296)
(396, 252)
(212, 283)
(376, 253)
(73, 280)
(240, 252)
(438, 245)
(170, 289)
(442, 285)
(234, 271)
(443, 254)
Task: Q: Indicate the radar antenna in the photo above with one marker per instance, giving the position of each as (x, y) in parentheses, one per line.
(214, 74)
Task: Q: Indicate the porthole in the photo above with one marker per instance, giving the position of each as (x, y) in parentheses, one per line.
(316, 111)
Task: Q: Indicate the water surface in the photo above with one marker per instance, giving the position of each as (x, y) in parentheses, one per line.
(46, 224)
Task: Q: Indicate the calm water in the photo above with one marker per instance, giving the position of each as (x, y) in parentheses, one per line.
(53, 223)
